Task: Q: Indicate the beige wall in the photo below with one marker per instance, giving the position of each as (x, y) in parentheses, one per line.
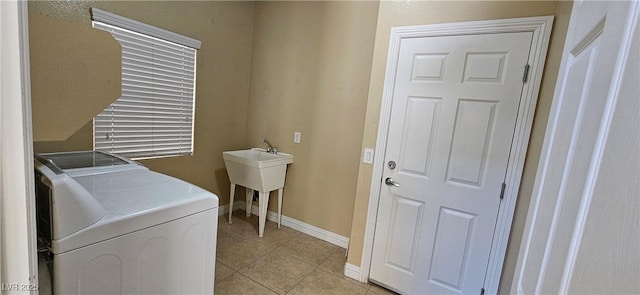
(431, 12)
(71, 81)
(310, 73)
(65, 96)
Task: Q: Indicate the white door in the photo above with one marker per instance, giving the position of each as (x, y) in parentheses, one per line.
(583, 227)
(455, 103)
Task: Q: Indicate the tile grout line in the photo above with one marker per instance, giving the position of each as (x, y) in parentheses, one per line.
(280, 247)
(302, 279)
(342, 277)
(298, 259)
(274, 248)
(240, 273)
(315, 268)
(274, 291)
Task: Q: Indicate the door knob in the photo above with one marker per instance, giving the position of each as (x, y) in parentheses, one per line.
(390, 181)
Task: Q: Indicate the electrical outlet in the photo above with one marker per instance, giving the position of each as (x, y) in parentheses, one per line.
(297, 137)
(368, 156)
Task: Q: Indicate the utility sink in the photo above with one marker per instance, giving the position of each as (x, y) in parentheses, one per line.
(256, 169)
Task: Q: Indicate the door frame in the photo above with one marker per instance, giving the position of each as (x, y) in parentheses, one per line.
(19, 263)
(541, 29)
(627, 27)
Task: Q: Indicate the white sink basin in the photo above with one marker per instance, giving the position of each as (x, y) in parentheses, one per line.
(256, 169)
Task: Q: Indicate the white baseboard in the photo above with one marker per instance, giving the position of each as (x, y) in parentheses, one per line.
(223, 210)
(316, 232)
(352, 271)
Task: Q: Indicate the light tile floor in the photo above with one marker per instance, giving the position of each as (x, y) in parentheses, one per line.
(284, 261)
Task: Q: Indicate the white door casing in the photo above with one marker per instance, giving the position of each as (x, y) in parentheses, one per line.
(539, 28)
(582, 227)
(18, 235)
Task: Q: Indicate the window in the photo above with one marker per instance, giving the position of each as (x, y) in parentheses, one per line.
(155, 113)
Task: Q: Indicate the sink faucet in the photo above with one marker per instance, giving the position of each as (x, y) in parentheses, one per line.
(270, 148)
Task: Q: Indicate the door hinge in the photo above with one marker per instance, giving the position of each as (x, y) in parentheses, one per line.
(482, 291)
(525, 76)
(504, 185)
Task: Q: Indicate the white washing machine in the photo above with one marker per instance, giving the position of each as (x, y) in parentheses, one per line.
(111, 226)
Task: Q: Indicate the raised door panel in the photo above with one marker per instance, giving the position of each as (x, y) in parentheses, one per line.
(402, 246)
(450, 253)
(417, 140)
(474, 122)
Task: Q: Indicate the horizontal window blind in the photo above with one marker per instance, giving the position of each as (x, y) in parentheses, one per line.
(154, 115)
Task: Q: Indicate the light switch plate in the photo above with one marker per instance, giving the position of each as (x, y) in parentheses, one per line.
(297, 136)
(368, 156)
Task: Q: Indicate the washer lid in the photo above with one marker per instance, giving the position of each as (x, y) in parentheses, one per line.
(85, 162)
(83, 159)
(133, 200)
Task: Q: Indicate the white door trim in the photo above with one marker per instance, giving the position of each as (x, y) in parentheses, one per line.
(18, 235)
(541, 29)
(624, 28)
